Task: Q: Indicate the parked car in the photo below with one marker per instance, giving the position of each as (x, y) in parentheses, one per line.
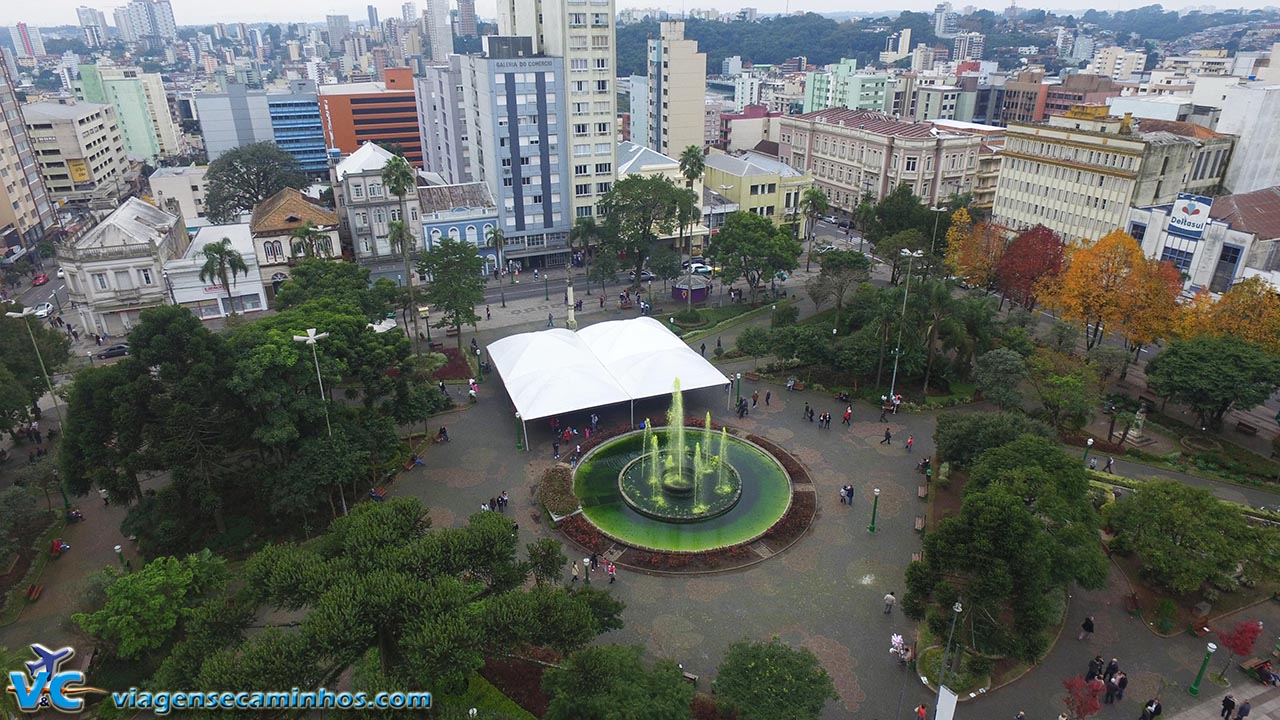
(119, 350)
(693, 261)
(44, 310)
(644, 275)
(60, 273)
(700, 269)
(830, 219)
(40, 279)
(825, 249)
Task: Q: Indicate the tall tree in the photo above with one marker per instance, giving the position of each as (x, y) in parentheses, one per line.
(1033, 260)
(1098, 275)
(245, 176)
(842, 272)
(1214, 375)
(457, 285)
(1149, 308)
(773, 681)
(220, 261)
(399, 179)
(345, 283)
(1250, 310)
(638, 209)
(974, 255)
(937, 303)
(998, 375)
(813, 203)
(21, 378)
(692, 164)
(751, 247)
(611, 683)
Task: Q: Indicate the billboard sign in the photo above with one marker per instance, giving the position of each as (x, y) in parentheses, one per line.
(1190, 215)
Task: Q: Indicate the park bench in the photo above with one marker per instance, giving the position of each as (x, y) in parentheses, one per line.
(1246, 428)
(691, 678)
(33, 593)
(378, 494)
(919, 523)
(451, 332)
(1250, 668)
(435, 346)
(798, 386)
(922, 492)
(917, 556)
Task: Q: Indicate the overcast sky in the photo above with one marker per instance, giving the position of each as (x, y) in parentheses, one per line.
(191, 12)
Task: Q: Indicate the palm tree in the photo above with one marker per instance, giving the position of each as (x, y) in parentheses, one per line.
(306, 240)
(399, 236)
(219, 259)
(691, 164)
(398, 177)
(581, 235)
(939, 306)
(495, 238)
(864, 216)
(813, 202)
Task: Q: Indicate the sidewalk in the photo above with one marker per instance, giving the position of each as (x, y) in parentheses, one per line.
(1266, 703)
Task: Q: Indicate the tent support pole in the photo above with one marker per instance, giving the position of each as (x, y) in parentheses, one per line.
(524, 425)
(633, 413)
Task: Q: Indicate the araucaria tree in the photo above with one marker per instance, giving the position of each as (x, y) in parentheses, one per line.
(456, 285)
(224, 264)
(751, 247)
(245, 176)
(639, 209)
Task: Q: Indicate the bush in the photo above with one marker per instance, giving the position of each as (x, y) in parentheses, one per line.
(962, 437)
(688, 316)
(555, 490)
(785, 316)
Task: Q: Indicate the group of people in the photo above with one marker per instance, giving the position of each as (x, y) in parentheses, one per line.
(1229, 704)
(498, 503)
(846, 495)
(590, 565)
(1113, 678)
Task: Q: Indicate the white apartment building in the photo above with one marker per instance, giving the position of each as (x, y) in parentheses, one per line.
(1252, 113)
(80, 149)
(746, 91)
(116, 270)
(1117, 63)
(183, 185)
(439, 30)
(366, 209)
(584, 34)
(677, 89)
(713, 106)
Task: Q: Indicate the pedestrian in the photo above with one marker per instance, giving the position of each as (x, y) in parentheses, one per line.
(702, 349)
(911, 440)
(1020, 716)
(1095, 668)
(755, 398)
(889, 600)
(505, 499)
(767, 395)
(493, 503)
(575, 573)
(555, 450)
(595, 561)
(484, 507)
(888, 437)
(551, 322)
(106, 499)
(1243, 711)
(1093, 463)
(602, 302)
(842, 495)
(718, 343)
(487, 314)
(613, 573)
(1110, 463)
(848, 415)
(1153, 709)
(882, 411)
(1228, 704)
(922, 713)
(806, 410)
(1111, 692)
(1113, 667)
(1122, 682)
(1086, 628)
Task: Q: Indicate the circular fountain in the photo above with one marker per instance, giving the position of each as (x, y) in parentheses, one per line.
(678, 488)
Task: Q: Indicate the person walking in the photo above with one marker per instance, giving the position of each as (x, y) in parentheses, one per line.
(888, 437)
(848, 415)
(1243, 711)
(755, 398)
(1086, 628)
(882, 412)
(1095, 668)
(1110, 464)
(806, 410)
(551, 322)
(613, 573)
(1122, 682)
(595, 561)
(911, 440)
(768, 394)
(889, 600)
(555, 450)
(1111, 691)
(575, 573)
(703, 349)
(1113, 667)
(487, 314)
(1228, 704)
(922, 713)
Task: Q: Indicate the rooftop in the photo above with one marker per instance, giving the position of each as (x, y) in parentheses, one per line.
(239, 234)
(1256, 212)
(185, 171)
(133, 223)
(750, 163)
(441, 198)
(360, 88)
(58, 111)
(369, 157)
(633, 158)
(874, 122)
(287, 210)
(1185, 129)
(970, 127)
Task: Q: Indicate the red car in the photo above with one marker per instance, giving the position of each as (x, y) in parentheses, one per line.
(40, 279)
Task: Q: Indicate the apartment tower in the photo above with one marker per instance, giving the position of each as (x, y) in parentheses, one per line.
(677, 91)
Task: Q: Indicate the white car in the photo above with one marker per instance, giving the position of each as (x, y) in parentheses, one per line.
(44, 310)
(830, 219)
(60, 274)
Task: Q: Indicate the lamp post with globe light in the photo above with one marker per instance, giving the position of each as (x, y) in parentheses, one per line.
(875, 506)
(897, 350)
(1088, 445)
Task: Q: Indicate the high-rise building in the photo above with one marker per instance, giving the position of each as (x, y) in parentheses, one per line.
(442, 121)
(1252, 112)
(897, 46)
(841, 85)
(439, 31)
(141, 104)
(638, 101)
(143, 19)
(517, 119)
(379, 112)
(467, 25)
(922, 58)
(373, 17)
(945, 21)
(1117, 63)
(339, 27)
(677, 91)
(24, 202)
(81, 150)
(968, 46)
(26, 40)
(123, 26)
(746, 91)
(731, 66)
(578, 32)
(93, 24)
(240, 116)
(409, 13)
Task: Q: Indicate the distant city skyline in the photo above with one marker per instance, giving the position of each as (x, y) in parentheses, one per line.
(188, 12)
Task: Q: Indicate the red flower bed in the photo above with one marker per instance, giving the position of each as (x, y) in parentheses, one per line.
(457, 368)
(700, 422)
(794, 523)
(582, 532)
(521, 680)
(675, 561)
(1099, 446)
(789, 463)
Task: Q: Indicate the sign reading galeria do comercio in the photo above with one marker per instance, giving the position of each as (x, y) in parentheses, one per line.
(44, 684)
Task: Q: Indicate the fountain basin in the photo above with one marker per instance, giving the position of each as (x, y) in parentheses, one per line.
(681, 495)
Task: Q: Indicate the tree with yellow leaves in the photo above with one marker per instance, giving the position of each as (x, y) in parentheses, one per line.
(1091, 290)
(1148, 308)
(959, 231)
(974, 256)
(1249, 311)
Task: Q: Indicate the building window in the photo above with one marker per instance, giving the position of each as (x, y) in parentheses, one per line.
(1181, 259)
(100, 280)
(144, 277)
(1137, 231)
(584, 211)
(357, 191)
(582, 190)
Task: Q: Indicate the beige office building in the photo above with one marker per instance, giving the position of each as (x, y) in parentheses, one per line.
(80, 149)
(24, 203)
(855, 152)
(677, 92)
(583, 33)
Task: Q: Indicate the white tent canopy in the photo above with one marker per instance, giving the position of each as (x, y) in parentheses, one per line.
(556, 371)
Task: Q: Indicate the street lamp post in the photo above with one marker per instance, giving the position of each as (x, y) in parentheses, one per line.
(26, 314)
(1088, 445)
(897, 351)
(89, 355)
(875, 506)
(519, 441)
(946, 653)
(120, 556)
(312, 338)
(1194, 690)
(833, 338)
(933, 242)
(738, 380)
(546, 289)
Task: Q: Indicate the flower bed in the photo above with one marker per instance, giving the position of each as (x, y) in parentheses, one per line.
(583, 533)
(720, 559)
(457, 367)
(555, 490)
(1099, 446)
(521, 680)
(793, 524)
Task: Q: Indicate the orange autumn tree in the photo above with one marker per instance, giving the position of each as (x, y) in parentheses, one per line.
(1250, 310)
(1148, 309)
(1091, 290)
(973, 256)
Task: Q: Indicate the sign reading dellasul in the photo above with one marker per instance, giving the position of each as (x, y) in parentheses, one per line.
(1190, 215)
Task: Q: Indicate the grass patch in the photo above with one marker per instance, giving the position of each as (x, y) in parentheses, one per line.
(972, 674)
(718, 318)
(483, 696)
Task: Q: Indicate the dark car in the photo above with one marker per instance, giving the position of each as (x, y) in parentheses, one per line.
(40, 279)
(112, 351)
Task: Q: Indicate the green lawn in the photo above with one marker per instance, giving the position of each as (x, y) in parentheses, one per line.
(482, 695)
